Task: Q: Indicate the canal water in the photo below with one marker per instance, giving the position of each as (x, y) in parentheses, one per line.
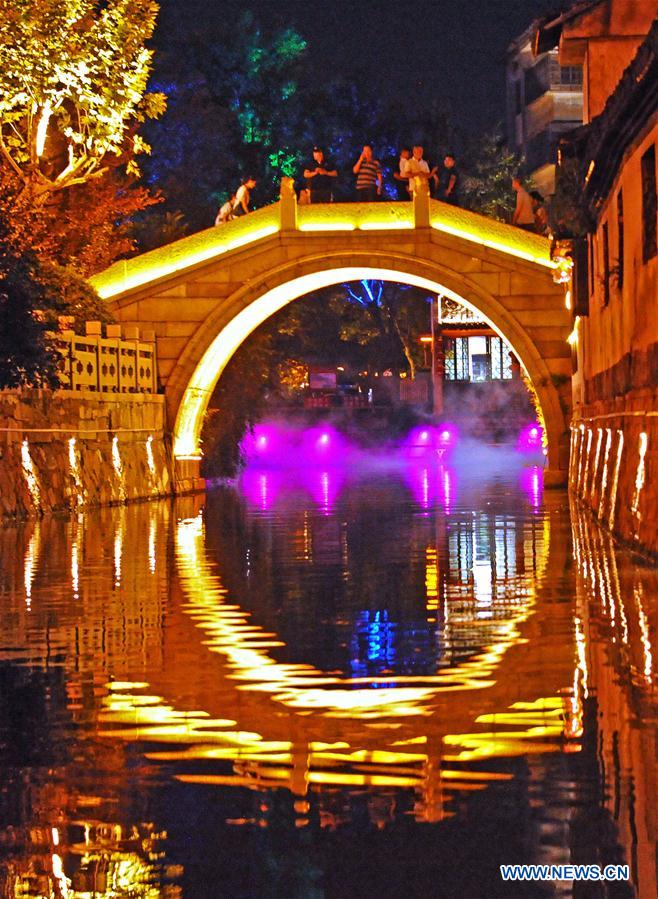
(377, 682)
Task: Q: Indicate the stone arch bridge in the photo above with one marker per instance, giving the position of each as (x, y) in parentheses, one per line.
(204, 294)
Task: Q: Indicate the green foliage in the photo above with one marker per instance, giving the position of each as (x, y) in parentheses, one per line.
(73, 77)
(25, 355)
(489, 167)
(65, 292)
(569, 215)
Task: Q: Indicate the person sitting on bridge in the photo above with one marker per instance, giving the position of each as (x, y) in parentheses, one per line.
(320, 175)
(368, 173)
(238, 203)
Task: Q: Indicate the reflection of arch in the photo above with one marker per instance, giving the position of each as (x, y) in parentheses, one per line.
(200, 364)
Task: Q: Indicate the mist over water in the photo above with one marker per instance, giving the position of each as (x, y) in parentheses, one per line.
(282, 459)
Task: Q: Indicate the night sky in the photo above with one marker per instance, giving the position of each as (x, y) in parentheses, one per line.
(449, 50)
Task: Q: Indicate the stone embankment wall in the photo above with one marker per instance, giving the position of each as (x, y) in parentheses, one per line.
(614, 466)
(65, 451)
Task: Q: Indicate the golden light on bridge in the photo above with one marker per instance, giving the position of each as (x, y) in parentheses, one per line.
(202, 383)
(207, 245)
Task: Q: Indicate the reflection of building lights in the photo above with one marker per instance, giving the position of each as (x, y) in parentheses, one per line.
(152, 552)
(644, 636)
(75, 568)
(581, 654)
(150, 461)
(31, 561)
(30, 474)
(640, 475)
(615, 479)
(431, 579)
(572, 339)
(604, 475)
(597, 456)
(567, 299)
(588, 456)
(118, 551)
(447, 490)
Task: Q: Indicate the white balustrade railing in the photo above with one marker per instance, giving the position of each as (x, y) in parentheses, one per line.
(121, 362)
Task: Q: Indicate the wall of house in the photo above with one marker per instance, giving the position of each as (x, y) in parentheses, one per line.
(604, 40)
(614, 466)
(68, 450)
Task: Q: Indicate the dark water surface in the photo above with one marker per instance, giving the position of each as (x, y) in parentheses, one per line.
(326, 685)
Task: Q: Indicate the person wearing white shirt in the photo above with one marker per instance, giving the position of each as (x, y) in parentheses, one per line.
(418, 166)
(401, 176)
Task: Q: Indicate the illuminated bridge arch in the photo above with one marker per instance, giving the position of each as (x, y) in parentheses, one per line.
(203, 295)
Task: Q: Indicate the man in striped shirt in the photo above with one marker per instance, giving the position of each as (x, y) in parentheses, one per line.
(368, 176)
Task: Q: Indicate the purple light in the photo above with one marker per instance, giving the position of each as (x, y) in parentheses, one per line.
(322, 445)
(530, 439)
(265, 444)
(532, 484)
(325, 486)
(423, 436)
(261, 487)
(447, 436)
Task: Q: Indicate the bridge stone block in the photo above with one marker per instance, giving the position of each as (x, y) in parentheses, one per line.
(527, 283)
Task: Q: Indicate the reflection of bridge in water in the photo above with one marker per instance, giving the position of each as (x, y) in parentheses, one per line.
(155, 645)
(414, 731)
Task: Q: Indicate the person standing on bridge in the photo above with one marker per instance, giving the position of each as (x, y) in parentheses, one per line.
(418, 166)
(401, 176)
(320, 177)
(449, 181)
(368, 173)
(524, 214)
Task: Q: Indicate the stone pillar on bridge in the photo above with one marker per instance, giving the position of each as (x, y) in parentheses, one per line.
(288, 205)
(421, 198)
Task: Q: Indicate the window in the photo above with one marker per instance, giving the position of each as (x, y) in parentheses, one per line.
(571, 75)
(620, 239)
(605, 268)
(649, 222)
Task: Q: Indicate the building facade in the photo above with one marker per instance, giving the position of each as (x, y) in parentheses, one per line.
(614, 465)
(544, 101)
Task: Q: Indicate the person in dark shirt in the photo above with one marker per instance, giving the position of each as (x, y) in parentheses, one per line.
(449, 181)
(368, 173)
(320, 176)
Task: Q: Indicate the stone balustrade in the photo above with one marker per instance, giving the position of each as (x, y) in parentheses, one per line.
(124, 361)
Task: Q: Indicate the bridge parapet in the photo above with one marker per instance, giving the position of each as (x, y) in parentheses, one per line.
(112, 364)
(287, 217)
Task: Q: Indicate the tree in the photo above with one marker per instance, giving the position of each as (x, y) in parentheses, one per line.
(398, 311)
(73, 77)
(491, 167)
(25, 356)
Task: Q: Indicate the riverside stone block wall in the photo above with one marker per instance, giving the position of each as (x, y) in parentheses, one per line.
(614, 465)
(65, 451)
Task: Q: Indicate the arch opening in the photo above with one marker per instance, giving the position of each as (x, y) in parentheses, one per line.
(196, 393)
